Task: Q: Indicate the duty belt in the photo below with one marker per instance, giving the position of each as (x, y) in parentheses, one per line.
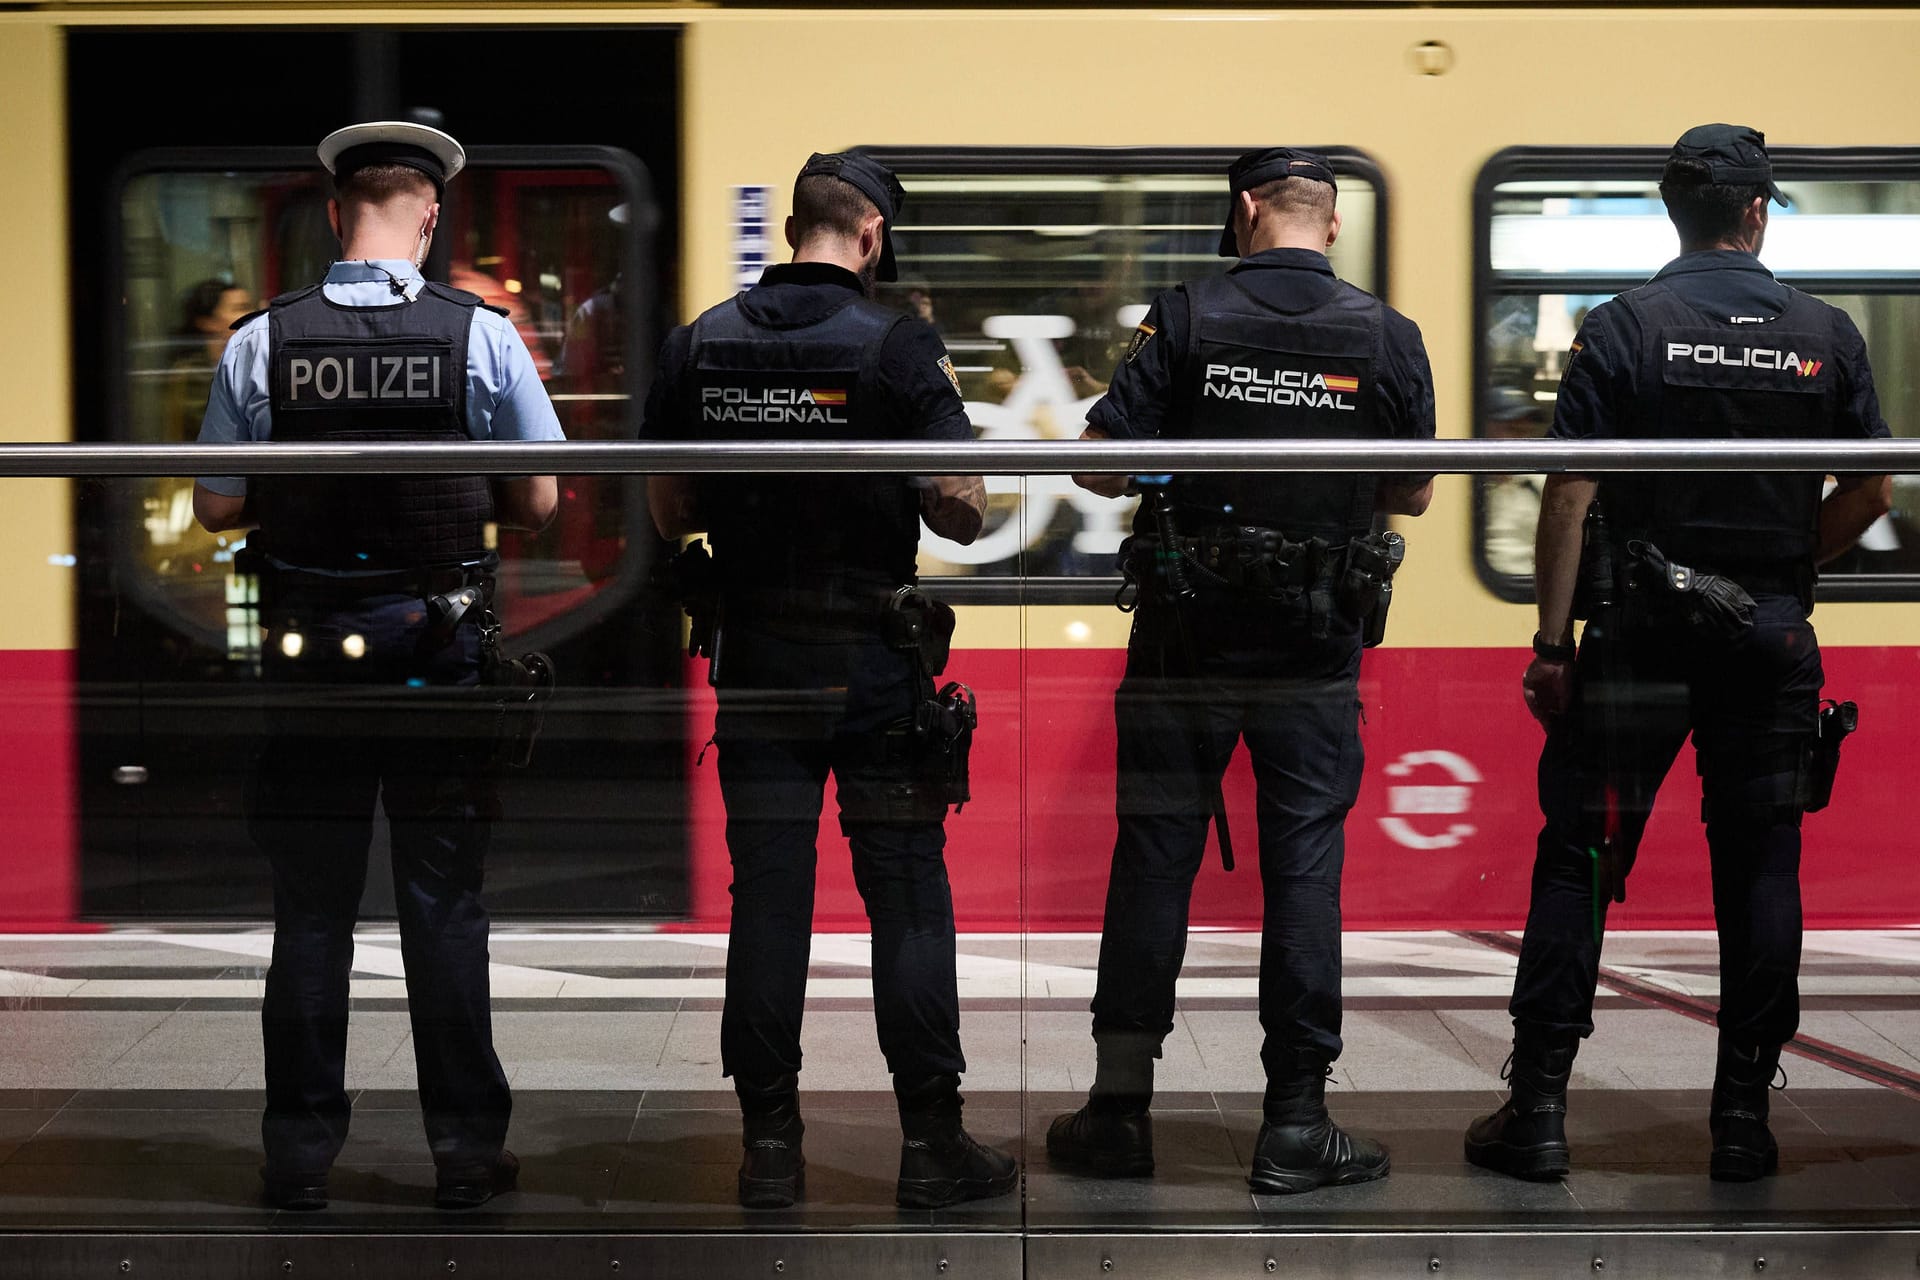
(413, 582)
(1252, 558)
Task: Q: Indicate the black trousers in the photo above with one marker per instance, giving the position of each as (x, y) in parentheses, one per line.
(1260, 675)
(1750, 705)
(791, 712)
(400, 722)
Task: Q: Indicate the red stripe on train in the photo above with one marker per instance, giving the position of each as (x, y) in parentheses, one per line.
(1442, 836)
(38, 812)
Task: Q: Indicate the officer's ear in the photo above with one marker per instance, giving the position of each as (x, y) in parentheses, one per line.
(1754, 221)
(1248, 211)
(792, 243)
(333, 217)
(1333, 228)
(873, 232)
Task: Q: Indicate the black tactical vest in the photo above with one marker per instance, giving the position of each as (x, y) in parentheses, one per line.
(813, 381)
(1703, 378)
(340, 373)
(1254, 372)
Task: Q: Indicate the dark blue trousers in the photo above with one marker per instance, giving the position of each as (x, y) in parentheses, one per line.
(405, 723)
(1260, 676)
(1750, 705)
(791, 712)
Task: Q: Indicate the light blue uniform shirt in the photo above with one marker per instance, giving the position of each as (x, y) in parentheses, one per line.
(505, 398)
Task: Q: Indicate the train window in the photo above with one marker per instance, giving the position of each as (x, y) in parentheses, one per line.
(556, 237)
(1035, 266)
(1559, 231)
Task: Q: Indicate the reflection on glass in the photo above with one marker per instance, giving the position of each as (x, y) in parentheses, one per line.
(1559, 247)
(203, 249)
(1036, 283)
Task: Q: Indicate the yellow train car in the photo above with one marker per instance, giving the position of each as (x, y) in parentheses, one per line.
(631, 167)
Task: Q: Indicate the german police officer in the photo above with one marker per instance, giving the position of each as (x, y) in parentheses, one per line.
(1254, 594)
(1696, 593)
(377, 580)
(810, 675)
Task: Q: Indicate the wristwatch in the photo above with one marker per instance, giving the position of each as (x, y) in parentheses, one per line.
(1562, 652)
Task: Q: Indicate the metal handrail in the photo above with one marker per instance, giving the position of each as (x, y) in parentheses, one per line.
(980, 457)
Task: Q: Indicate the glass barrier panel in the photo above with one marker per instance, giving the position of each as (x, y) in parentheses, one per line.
(1562, 245)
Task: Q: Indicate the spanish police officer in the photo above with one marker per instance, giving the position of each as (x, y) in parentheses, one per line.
(1255, 592)
(1696, 591)
(378, 580)
(811, 676)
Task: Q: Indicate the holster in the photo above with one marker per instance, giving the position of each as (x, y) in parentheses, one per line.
(1366, 582)
(525, 685)
(938, 736)
(692, 582)
(914, 622)
(1835, 722)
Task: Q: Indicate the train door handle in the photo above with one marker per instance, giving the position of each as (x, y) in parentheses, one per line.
(130, 775)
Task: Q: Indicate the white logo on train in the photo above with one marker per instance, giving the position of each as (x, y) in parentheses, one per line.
(1410, 804)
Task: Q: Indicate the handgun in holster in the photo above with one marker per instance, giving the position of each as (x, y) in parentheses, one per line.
(694, 584)
(1835, 722)
(940, 729)
(1366, 582)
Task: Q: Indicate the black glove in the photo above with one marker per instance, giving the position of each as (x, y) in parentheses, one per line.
(1707, 602)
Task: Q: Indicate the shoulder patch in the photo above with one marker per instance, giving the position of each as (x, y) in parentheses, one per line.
(946, 367)
(1142, 333)
(246, 320)
(502, 312)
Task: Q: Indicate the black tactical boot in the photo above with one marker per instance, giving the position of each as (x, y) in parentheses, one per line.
(1300, 1147)
(1743, 1146)
(1527, 1137)
(1112, 1136)
(770, 1130)
(940, 1163)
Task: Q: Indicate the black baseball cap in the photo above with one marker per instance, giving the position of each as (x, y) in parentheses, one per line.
(1733, 154)
(416, 146)
(1258, 168)
(874, 181)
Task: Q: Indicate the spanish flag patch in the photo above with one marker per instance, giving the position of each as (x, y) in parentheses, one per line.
(827, 395)
(1141, 333)
(1339, 382)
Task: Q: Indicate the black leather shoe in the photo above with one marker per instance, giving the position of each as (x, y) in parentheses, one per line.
(1104, 1142)
(1743, 1145)
(772, 1168)
(469, 1189)
(299, 1192)
(1300, 1147)
(1527, 1137)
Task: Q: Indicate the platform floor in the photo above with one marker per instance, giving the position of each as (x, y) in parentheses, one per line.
(130, 1087)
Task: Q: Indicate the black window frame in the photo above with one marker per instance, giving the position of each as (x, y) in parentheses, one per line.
(1637, 163)
(1016, 162)
(639, 261)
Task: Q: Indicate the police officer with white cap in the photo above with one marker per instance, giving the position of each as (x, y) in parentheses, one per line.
(1696, 590)
(378, 580)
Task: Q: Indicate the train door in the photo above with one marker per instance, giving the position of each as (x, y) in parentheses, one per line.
(175, 242)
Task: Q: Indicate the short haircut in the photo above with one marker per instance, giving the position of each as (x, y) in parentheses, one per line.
(379, 183)
(823, 203)
(1296, 199)
(1704, 211)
